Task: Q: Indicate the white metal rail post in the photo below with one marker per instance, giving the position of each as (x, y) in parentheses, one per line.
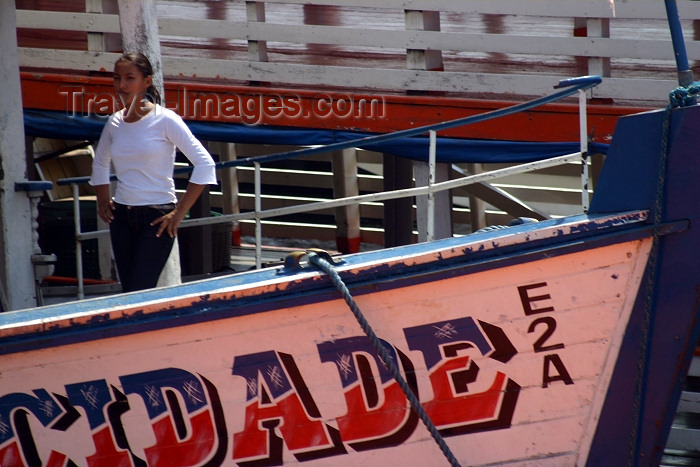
(432, 156)
(78, 242)
(583, 125)
(258, 209)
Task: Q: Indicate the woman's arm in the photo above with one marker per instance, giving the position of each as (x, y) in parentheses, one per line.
(204, 171)
(105, 205)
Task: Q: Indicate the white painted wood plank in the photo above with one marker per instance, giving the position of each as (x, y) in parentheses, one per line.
(689, 402)
(684, 439)
(651, 90)
(560, 8)
(62, 21)
(372, 78)
(544, 44)
(377, 79)
(497, 43)
(505, 85)
(67, 59)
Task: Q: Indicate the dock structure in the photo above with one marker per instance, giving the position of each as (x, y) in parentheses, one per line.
(343, 65)
(255, 78)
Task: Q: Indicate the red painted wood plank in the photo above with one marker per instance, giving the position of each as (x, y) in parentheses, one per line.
(330, 109)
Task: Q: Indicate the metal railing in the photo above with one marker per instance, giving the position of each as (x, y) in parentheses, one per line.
(566, 88)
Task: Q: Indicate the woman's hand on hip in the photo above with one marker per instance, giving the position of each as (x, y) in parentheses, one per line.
(106, 211)
(168, 223)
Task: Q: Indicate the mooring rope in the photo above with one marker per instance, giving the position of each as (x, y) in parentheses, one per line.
(684, 96)
(327, 267)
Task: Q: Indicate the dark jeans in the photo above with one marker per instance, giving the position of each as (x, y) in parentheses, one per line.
(139, 254)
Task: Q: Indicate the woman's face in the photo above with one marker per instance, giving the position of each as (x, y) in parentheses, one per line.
(129, 82)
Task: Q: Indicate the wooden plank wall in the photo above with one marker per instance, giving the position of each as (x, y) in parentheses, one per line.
(509, 48)
(515, 47)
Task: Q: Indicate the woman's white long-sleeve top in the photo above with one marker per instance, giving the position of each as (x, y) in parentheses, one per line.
(143, 156)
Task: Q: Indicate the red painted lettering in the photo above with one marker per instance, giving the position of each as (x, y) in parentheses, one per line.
(277, 397)
(378, 412)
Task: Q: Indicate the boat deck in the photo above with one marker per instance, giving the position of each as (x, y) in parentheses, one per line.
(242, 258)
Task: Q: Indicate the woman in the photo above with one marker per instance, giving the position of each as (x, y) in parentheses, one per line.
(139, 141)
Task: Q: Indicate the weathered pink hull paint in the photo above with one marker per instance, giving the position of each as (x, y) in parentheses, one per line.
(512, 364)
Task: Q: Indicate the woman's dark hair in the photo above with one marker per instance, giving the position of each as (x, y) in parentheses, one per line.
(144, 65)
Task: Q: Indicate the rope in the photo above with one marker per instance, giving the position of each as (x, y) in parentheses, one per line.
(684, 96)
(647, 321)
(327, 267)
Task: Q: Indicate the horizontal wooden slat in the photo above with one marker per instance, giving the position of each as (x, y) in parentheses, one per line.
(62, 21)
(559, 8)
(378, 79)
(67, 59)
(370, 78)
(542, 44)
(689, 402)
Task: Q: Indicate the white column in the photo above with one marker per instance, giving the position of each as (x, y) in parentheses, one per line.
(139, 25)
(443, 202)
(16, 269)
(229, 188)
(477, 207)
(345, 183)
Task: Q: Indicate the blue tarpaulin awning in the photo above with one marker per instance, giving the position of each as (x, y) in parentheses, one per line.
(61, 125)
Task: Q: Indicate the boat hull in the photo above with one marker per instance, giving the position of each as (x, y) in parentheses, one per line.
(510, 356)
